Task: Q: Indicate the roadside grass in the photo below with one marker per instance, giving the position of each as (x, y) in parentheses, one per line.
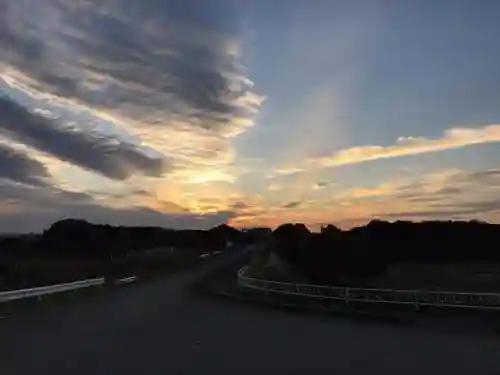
(49, 301)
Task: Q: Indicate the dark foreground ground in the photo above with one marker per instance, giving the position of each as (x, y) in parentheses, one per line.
(161, 327)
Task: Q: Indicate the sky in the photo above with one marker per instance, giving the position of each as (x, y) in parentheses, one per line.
(191, 114)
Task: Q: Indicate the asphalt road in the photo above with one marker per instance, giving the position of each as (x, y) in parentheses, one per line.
(159, 327)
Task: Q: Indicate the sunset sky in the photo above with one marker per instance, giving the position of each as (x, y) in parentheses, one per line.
(193, 113)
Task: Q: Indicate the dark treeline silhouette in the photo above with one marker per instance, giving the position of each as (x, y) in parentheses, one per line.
(367, 252)
(78, 238)
(74, 249)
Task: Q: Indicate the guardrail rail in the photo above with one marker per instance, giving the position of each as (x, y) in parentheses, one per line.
(417, 298)
(11, 295)
(126, 280)
(39, 291)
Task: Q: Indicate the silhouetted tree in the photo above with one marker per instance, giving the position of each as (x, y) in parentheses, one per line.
(368, 251)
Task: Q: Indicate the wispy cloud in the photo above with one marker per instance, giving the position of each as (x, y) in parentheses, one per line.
(320, 185)
(442, 195)
(155, 90)
(19, 167)
(292, 204)
(274, 186)
(108, 156)
(161, 69)
(158, 63)
(33, 209)
(454, 138)
(449, 194)
(405, 146)
(106, 53)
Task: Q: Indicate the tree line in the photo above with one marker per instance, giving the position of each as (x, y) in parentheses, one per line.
(81, 239)
(75, 249)
(368, 251)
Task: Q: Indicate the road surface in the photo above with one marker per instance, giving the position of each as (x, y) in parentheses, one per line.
(160, 328)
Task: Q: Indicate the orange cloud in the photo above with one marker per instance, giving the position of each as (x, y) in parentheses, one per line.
(454, 138)
(447, 194)
(451, 139)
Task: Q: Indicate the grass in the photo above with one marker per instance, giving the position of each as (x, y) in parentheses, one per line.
(60, 299)
(43, 302)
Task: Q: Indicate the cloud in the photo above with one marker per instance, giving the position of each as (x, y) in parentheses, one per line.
(287, 171)
(442, 195)
(105, 155)
(240, 206)
(36, 208)
(126, 91)
(454, 138)
(156, 62)
(320, 185)
(445, 195)
(292, 205)
(156, 88)
(19, 167)
(405, 146)
(274, 186)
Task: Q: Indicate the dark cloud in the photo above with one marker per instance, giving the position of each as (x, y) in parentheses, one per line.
(478, 207)
(449, 190)
(487, 175)
(19, 167)
(152, 60)
(455, 186)
(468, 194)
(38, 207)
(292, 204)
(321, 185)
(105, 155)
(40, 197)
(447, 211)
(240, 206)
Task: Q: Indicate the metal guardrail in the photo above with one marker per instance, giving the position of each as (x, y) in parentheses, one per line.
(417, 298)
(11, 295)
(126, 280)
(39, 291)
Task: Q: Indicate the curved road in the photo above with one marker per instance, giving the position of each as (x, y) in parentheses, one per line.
(159, 328)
